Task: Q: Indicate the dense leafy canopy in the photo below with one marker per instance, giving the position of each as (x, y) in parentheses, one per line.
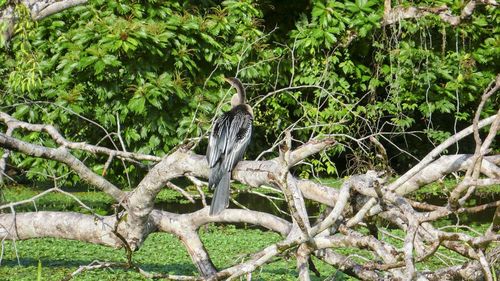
(151, 72)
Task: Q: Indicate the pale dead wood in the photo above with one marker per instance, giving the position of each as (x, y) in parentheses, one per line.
(436, 151)
(446, 165)
(136, 217)
(473, 172)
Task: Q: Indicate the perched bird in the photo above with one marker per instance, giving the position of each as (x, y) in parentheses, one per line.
(227, 144)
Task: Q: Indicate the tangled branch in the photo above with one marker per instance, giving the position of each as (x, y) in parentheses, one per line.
(360, 201)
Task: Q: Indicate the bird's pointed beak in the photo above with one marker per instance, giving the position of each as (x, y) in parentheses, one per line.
(227, 80)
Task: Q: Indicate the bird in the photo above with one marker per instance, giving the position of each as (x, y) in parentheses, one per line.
(227, 144)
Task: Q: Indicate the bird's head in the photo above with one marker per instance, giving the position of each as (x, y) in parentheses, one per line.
(235, 82)
(239, 97)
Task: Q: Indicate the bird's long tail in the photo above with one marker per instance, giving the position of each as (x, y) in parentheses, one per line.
(220, 201)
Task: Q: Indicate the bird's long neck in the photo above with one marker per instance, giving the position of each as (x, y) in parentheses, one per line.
(240, 96)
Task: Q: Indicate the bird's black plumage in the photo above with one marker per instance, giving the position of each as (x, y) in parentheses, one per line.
(227, 144)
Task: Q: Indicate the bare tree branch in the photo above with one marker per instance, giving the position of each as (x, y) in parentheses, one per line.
(136, 217)
(13, 124)
(38, 10)
(436, 151)
(62, 155)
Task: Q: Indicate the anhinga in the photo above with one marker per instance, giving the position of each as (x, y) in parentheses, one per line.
(228, 141)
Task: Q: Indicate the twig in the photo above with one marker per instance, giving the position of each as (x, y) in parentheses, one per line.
(199, 184)
(59, 139)
(181, 191)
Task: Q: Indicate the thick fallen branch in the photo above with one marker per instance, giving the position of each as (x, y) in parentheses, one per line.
(436, 152)
(446, 165)
(67, 225)
(99, 230)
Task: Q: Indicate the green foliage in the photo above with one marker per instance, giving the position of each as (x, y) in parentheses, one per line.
(155, 70)
(39, 271)
(142, 67)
